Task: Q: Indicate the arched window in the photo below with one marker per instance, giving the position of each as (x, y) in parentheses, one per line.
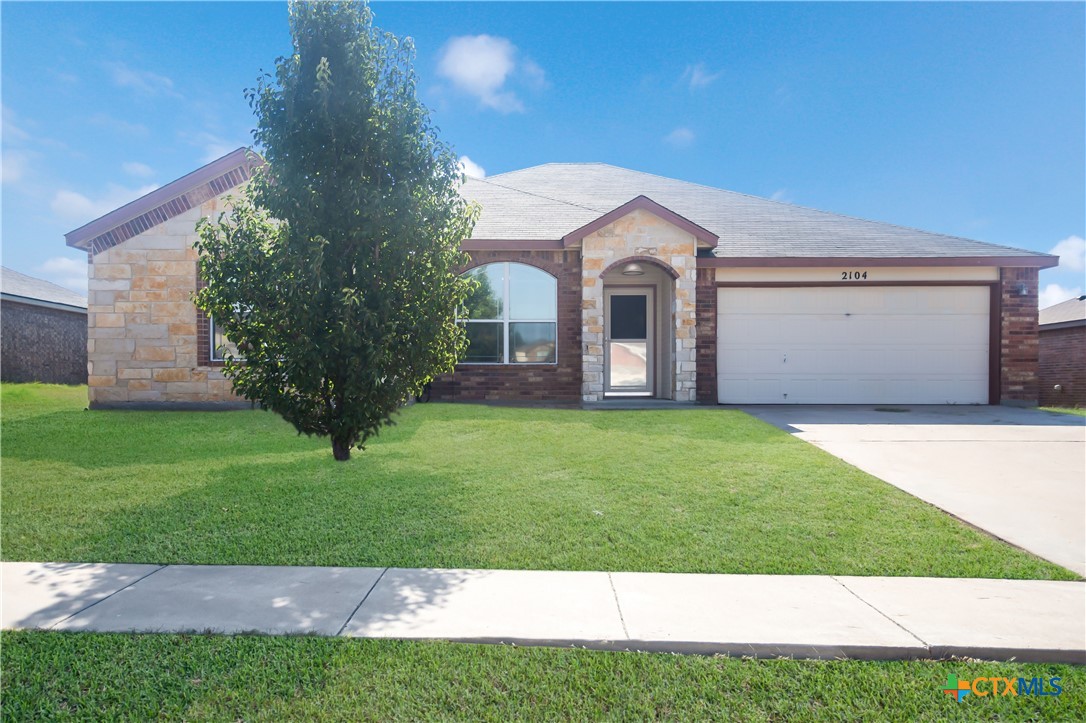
(511, 316)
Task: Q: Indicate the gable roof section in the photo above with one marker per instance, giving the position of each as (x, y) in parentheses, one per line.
(1066, 313)
(546, 203)
(164, 203)
(703, 236)
(38, 292)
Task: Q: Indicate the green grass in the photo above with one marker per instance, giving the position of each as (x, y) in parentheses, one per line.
(1066, 410)
(701, 490)
(51, 676)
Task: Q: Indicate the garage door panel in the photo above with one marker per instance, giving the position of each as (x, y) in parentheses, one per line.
(860, 345)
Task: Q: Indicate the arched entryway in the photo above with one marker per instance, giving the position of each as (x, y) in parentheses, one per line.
(638, 324)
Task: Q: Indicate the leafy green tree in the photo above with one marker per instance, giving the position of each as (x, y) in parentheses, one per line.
(335, 274)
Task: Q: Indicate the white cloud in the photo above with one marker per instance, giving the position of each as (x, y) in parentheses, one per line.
(214, 147)
(1072, 253)
(470, 168)
(698, 77)
(142, 81)
(76, 208)
(1053, 294)
(137, 169)
(680, 138)
(67, 272)
(782, 195)
(12, 131)
(480, 65)
(14, 165)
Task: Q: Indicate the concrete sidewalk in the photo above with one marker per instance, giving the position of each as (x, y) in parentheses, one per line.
(803, 616)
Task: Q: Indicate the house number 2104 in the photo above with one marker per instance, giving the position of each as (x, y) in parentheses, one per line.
(853, 275)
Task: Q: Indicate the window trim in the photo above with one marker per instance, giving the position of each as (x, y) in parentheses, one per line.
(505, 321)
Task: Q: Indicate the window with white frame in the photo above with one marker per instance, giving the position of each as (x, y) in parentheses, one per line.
(511, 318)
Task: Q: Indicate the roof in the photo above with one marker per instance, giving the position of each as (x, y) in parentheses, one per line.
(26, 289)
(548, 202)
(164, 203)
(1066, 313)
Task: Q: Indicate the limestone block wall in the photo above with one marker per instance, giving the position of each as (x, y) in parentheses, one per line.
(141, 322)
(639, 233)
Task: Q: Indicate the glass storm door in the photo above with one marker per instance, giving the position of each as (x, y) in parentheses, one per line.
(628, 341)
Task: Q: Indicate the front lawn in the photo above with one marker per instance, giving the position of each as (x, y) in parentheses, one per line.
(50, 676)
(700, 490)
(1074, 411)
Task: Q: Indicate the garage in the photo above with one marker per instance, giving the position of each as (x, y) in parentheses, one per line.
(894, 344)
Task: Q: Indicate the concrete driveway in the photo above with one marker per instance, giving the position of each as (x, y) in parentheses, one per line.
(1020, 474)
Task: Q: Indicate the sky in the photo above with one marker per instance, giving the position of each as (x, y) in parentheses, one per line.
(965, 119)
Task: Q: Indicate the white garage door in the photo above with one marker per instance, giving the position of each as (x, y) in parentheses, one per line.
(853, 345)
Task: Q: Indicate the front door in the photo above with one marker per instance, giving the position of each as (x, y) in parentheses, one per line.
(628, 357)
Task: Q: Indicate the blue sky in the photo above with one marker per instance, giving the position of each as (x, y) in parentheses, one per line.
(967, 119)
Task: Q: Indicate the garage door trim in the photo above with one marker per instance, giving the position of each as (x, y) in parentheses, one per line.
(995, 312)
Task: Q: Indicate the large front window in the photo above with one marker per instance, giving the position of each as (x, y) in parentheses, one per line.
(511, 316)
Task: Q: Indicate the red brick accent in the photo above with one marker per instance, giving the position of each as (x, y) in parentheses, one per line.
(1018, 342)
(705, 305)
(559, 382)
(203, 333)
(174, 207)
(1062, 361)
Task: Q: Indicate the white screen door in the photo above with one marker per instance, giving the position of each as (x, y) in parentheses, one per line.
(628, 322)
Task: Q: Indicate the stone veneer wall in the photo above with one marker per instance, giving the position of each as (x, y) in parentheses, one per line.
(639, 233)
(1062, 361)
(560, 382)
(1018, 337)
(142, 325)
(42, 344)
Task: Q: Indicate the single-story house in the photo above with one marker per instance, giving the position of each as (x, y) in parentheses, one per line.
(43, 331)
(1061, 367)
(604, 282)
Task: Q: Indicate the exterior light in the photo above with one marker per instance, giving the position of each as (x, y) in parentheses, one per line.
(633, 269)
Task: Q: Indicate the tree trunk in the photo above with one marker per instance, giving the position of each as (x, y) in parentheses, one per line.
(341, 449)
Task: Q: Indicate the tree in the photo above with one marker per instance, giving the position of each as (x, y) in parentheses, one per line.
(335, 274)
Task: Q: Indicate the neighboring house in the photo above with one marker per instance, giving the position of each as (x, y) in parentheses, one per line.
(1061, 370)
(597, 281)
(43, 331)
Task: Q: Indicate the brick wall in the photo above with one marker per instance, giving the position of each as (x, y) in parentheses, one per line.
(1018, 337)
(1062, 361)
(40, 344)
(561, 382)
(705, 294)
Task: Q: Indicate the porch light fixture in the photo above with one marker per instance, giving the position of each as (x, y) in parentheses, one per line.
(633, 269)
(1022, 289)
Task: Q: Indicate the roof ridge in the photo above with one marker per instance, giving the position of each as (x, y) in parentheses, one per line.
(539, 195)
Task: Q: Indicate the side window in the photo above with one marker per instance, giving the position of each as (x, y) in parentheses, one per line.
(511, 318)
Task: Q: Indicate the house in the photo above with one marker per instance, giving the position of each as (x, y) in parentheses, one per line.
(599, 282)
(43, 331)
(1061, 367)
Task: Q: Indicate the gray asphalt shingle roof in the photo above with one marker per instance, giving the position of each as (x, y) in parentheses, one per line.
(12, 283)
(549, 201)
(1064, 312)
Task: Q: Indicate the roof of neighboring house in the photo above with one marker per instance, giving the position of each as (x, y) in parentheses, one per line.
(164, 203)
(1066, 313)
(548, 202)
(26, 289)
